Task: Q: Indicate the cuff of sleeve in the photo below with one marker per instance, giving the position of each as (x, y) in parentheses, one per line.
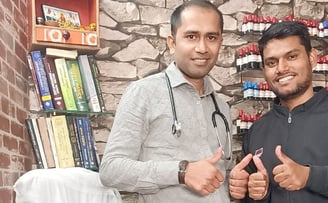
(317, 178)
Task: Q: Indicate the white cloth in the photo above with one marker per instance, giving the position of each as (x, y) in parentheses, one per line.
(63, 185)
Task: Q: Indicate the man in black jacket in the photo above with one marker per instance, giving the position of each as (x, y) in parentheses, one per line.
(286, 151)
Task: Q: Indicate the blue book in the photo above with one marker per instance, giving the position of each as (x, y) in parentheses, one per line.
(41, 76)
(90, 144)
(83, 142)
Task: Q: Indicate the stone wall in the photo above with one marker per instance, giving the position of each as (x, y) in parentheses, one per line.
(133, 40)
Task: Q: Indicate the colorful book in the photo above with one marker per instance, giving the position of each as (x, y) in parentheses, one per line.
(61, 53)
(52, 140)
(83, 142)
(77, 85)
(34, 79)
(74, 141)
(65, 84)
(52, 77)
(31, 132)
(62, 141)
(42, 80)
(46, 141)
(90, 144)
(39, 141)
(95, 75)
(88, 84)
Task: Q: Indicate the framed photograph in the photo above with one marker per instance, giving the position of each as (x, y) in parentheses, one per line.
(62, 16)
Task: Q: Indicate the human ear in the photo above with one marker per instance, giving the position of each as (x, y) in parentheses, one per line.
(313, 58)
(171, 44)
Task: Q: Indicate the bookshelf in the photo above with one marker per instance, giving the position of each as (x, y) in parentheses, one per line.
(82, 34)
(60, 34)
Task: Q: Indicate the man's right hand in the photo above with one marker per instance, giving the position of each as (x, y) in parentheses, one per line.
(258, 182)
(238, 181)
(202, 176)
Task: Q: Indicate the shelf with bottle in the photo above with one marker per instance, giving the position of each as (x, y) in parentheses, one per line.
(256, 25)
(249, 64)
(245, 120)
(64, 24)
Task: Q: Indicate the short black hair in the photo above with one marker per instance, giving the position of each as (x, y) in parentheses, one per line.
(176, 15)
(285, 29)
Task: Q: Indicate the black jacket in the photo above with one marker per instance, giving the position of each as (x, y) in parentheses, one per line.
(303, 135)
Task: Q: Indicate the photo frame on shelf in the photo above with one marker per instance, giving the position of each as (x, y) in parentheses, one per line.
(63, 17)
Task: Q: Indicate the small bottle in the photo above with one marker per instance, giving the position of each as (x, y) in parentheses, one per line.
(325, 64)
(268, 22)
(238, 121)
(321, 33)
(256, 93)
(239, 61)
(261, 24)
(250, 24)
(252, 57)
(256, 24)
(325, 28)
(243, 124)
(244, 25)
(315, 28)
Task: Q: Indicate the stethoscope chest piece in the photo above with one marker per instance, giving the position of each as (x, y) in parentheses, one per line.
(176, 128)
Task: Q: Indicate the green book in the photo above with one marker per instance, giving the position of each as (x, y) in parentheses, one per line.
(77, 84)
(65, 84)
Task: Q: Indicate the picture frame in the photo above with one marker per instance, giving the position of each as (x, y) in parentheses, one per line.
(61, 16)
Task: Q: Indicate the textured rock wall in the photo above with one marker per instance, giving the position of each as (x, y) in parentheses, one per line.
(133, 40)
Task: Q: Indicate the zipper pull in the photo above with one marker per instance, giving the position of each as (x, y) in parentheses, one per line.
(289, 118)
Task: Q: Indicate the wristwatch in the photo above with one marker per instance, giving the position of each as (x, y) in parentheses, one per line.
(182, 171)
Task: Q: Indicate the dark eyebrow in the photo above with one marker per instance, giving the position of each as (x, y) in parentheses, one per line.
(196, 32)
(287, 53)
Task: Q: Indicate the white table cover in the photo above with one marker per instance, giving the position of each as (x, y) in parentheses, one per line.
(63, 185)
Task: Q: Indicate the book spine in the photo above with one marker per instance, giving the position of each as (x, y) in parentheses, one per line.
(77, 86)
(74, 141)
(95, 76)
(55, 90)
(35, 146)
(45, 141)
(39, 141)
(52, 141)
(61, 53)
(35, 80)
(90, 144)
(65, 84)
(42, 80)
(88, 84)
(62, 141)
(83, 143)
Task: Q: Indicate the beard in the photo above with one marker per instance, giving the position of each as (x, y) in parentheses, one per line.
(299, 90)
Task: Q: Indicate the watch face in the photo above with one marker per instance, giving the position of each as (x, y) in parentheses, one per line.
(183, 165)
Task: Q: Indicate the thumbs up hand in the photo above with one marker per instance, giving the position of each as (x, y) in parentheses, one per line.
(238, 179)
(202, 176)
(289, 174)
(258, 182)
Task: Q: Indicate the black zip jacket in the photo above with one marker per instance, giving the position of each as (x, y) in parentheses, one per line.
(303, 135)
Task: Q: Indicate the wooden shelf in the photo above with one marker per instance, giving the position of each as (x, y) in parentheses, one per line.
(83, 40)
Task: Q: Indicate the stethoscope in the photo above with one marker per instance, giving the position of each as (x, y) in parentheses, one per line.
(176, 125)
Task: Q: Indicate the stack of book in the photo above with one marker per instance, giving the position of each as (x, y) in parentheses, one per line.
(64, 80)
(63, 141)
(65, 83)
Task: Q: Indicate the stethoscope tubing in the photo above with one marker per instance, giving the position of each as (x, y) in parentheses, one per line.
(176, 125)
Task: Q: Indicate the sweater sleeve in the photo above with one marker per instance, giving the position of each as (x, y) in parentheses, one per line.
(318, 180)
